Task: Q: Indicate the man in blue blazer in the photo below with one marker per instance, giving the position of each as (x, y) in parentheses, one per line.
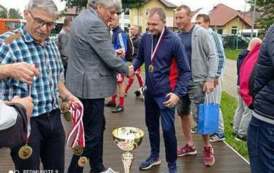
(167, 75)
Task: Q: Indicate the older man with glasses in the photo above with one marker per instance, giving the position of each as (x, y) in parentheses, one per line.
(92, 67)
(31, 45)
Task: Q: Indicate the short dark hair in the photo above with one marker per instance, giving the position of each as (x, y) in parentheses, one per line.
(159, 11)
(205, 17)
(184, 7)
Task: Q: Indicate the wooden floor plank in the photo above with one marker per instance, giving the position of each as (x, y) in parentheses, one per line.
(226, 160)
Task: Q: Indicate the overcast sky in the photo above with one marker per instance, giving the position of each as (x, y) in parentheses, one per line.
(194, 4)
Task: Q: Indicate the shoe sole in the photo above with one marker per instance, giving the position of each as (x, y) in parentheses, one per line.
(188, 154)
(210, 164)
(110, 106)
(218, 140)
(116, 111)
(152, 165)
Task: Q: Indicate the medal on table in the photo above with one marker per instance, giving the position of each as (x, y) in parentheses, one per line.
(153, 52)
(25, 151)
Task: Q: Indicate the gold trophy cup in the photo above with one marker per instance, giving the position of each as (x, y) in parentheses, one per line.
(127, 139)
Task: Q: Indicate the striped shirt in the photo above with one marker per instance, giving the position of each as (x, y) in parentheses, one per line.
(45, 57)
(220, 51)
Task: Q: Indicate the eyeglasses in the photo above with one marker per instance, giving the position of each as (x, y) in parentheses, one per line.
(41, 23)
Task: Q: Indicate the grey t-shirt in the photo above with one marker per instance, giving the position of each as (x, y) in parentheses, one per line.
(186, 38)
(8, 116)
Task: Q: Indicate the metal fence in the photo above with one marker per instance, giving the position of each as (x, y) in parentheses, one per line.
(235, 41)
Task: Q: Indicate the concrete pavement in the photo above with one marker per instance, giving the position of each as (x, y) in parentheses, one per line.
(230, 78)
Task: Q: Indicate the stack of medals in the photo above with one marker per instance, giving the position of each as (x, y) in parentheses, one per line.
(25, 151)
(76, 137)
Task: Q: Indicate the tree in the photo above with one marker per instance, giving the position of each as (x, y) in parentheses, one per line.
(76, 3)
(266, 13)
(126, 3)
(14, 14)
(3, 12)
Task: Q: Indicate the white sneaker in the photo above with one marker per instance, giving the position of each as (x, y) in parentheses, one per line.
(109, 170)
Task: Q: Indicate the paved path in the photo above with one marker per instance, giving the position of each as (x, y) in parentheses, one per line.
(230, 78)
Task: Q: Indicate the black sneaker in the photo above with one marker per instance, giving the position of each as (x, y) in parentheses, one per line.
(118, 109)
(149, 163)
(137, 93)
(110, 104)
(240, 138)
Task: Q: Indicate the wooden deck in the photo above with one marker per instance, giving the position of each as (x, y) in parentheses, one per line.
(227, 161)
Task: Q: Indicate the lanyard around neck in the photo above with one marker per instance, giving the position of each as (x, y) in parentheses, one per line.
(153, 52)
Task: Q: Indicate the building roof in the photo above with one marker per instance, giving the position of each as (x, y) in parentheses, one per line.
(168, 4)
(221, 14)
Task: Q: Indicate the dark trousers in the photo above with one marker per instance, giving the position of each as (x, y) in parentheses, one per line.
(153, 114)
(260, 142)
(94, 125)
(47, 140)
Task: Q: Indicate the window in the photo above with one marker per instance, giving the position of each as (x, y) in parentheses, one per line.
(127, 11)
(220, 31)
(147, 11)
(234, 30)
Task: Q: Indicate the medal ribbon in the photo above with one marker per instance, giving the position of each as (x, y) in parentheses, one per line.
(76, 136)
(153, 52)
(28, 120)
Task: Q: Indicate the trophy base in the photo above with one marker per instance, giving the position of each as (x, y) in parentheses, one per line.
(109, 170)
(127, 158)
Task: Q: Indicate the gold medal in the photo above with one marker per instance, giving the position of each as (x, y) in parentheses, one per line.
(65, 111)
(25, 152)
(65, 106)
(82, 161)
(151, 68)
(78, 151)
(67, 116)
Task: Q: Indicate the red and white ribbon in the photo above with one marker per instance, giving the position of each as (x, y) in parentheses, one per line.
(153, 52)
(76, 136)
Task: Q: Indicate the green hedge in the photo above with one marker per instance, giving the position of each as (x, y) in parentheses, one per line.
(232, 53)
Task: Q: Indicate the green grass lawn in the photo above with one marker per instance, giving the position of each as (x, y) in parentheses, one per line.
(229, 105)
(232, 53)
